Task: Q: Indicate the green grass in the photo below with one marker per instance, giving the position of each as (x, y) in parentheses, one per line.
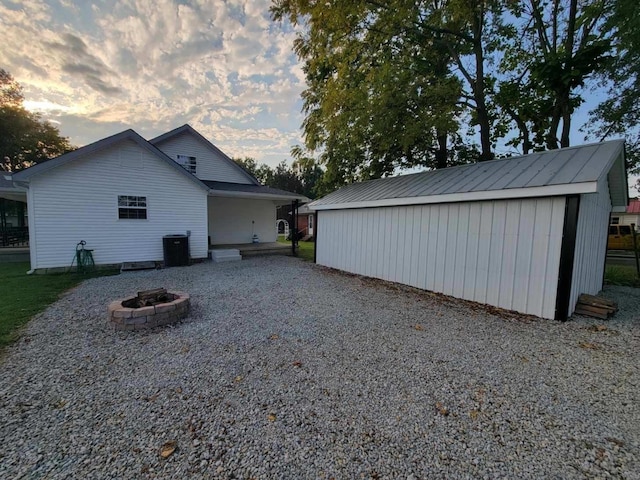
(621, 275)
(305, 249)
(25, 295)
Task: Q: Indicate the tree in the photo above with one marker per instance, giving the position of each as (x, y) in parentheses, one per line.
(310, 175)
(304, 175)
(262, 172)
(619, 115)
(285, 178)
(381, 94)
(562, 45)
(25, 138)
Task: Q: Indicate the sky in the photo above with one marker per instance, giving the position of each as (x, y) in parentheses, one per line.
(95, 68)
(98, 67)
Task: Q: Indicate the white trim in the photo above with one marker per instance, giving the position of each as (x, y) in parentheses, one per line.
(546, 191)
(262, 196)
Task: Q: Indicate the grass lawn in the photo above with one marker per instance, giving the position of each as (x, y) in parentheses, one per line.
(621, 275)
(25, 295)
(305, 249)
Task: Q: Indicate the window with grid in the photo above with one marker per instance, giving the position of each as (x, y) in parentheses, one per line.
(132, 208)
(187, 162)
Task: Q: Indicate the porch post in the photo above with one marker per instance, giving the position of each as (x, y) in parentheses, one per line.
(315, 237)
(294, 221)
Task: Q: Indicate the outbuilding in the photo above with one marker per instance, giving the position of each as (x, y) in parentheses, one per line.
(524, 233)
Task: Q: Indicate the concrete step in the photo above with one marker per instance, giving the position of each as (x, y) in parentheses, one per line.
(226, 255)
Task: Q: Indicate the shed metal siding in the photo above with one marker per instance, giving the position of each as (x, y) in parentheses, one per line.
(79, 201)
(209, 164)
(505, 252)
(591, 244)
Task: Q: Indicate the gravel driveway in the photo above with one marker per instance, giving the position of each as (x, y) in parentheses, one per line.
(288, 370)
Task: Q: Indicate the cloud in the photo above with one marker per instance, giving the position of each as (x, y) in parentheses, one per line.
(152, 65)
(76, 59)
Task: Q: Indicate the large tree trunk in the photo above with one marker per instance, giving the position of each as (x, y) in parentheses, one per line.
(479, 87)
(566, 129)
(442, 152)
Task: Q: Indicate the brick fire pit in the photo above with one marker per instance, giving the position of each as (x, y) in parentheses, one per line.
(123, 314)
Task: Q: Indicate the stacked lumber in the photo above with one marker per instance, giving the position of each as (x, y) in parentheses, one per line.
(593, 306)
(147, 298)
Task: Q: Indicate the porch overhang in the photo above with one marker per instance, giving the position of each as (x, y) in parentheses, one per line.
(254, 192)
(10, 191)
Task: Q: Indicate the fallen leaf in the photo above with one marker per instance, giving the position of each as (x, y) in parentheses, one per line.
(274, 337)
(238, 379)
(442, 410)
(297, 364)
(271, 417)
(418, 327)
(597, 328)
(167, 449)
(616, 441)
(474, 414)
(179, 390)
(185, 349)
(588, 346)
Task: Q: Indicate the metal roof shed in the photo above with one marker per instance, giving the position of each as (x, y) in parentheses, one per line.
(526, 233)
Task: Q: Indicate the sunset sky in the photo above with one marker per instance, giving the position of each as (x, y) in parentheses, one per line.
(97, 68)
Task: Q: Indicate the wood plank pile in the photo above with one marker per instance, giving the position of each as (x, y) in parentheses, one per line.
(593, 306)
(147, 298)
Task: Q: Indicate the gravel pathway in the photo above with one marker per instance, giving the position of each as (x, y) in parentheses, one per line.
(288, 370)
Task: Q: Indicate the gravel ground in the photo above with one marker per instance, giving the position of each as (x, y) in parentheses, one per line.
(288, 370)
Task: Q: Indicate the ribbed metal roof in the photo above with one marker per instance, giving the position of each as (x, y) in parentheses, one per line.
(565, 166)
(634, 206)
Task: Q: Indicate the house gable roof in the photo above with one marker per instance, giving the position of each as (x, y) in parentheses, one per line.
(40, 168)
(192, 131)
(565, 171)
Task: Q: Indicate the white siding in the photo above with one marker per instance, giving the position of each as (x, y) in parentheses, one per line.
(505, 253)
(628, 219)
(79, 201)
(235, 220)
(591, 244)
(209, 164)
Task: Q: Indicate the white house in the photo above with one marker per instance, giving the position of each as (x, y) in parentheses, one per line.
(527, 233)
(122, 194)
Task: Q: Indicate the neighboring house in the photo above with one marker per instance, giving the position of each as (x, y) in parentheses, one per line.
(122, 194)
(304, 223)
(527, 233)
(305, 220)
(631, 215)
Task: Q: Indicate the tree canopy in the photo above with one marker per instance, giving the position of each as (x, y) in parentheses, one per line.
(619, 114)
(304, 176)
(25, 137)
(431, 83)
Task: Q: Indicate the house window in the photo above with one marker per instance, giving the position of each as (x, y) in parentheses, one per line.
(310, 222)
(187, 162)
(132, 207)
(615, 220)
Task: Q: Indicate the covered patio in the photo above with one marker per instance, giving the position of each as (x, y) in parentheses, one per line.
(243, 217)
